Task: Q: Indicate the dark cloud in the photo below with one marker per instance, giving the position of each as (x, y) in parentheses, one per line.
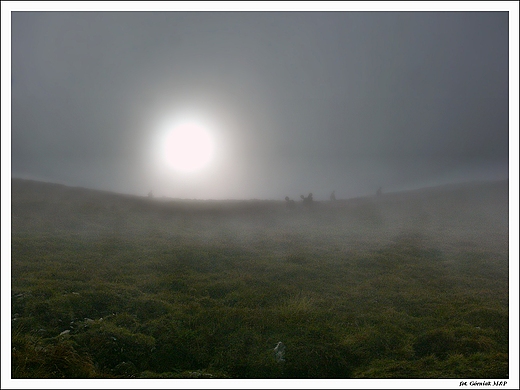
(304, 102)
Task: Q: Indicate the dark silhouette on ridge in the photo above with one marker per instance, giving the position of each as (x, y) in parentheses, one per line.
(289, 203)
(307, 201)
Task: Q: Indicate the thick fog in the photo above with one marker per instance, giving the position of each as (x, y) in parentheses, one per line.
(295, 102)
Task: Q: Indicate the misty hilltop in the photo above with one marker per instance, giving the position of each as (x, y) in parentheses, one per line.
(465, 211)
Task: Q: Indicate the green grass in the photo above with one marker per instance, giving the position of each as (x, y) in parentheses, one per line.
(356, 292)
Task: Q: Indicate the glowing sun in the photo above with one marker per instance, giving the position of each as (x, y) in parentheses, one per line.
(188, 147)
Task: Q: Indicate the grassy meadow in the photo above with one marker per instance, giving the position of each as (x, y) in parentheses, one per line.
(405, 285)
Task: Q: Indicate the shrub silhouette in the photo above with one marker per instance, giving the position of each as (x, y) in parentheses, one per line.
(307, 201)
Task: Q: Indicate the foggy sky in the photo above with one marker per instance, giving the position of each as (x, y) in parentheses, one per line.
(298, 102)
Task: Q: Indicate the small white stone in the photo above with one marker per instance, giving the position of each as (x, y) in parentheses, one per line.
(279, 352)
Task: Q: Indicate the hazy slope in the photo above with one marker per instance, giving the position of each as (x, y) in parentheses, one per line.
(469, 211)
